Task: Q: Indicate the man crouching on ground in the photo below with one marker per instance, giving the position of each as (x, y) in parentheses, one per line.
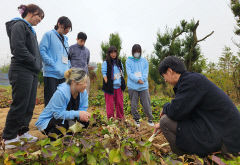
(201, 119)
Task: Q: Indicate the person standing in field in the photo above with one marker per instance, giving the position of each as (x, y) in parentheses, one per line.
(113, 83)
(137, 83)
(23, 73)
(79, 55)
(54, 51)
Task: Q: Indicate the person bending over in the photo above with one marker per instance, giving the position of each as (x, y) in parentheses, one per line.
(201, 119)
(68, 104)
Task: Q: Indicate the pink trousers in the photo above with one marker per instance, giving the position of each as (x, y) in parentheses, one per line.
(114, 100)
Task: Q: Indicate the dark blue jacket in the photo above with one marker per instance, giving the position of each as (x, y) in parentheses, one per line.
(79, 57)
(206, 116)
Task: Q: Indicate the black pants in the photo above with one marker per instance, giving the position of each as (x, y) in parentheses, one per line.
(52, 127)
(24, 89)
(50, 86)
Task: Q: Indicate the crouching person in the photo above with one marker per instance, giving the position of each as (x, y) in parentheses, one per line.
(69, 103)
(201, 119)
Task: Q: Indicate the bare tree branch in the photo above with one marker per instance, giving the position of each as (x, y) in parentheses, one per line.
(206, 37)
(196, 25)
(195, 33)
(174, 37)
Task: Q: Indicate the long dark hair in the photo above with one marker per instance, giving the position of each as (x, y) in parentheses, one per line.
(65, 21)
(31, 8)
(110, 50)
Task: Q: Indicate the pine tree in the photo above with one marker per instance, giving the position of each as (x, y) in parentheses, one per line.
(235, 6)
(114, 40)
(183, 42)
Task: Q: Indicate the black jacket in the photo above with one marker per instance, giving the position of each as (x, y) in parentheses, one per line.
(206, 116)
(108, 87)
(24, 47)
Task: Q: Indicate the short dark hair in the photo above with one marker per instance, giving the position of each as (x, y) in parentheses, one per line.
(31, 8)
(136, 48)
(65, 21)
(82, 36)
(173, 62)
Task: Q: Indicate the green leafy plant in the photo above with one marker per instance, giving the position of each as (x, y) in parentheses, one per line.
(104, 142)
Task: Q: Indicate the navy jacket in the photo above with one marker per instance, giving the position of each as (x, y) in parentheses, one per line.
(79, 57)
(206, 116)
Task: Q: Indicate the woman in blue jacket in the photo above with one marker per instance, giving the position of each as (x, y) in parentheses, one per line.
(69, 103)
(54, 51)
(137, 71)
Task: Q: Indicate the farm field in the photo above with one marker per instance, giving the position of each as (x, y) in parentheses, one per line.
(104, 141)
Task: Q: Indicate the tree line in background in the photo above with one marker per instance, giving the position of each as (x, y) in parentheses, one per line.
(183, 42)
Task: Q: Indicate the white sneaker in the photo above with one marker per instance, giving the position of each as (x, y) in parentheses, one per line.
(29, 137)
(137, 123)
(150, 123)
(13, 143)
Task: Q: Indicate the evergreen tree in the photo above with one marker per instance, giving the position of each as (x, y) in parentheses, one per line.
(182, 41)
(235, 6)
(114, 40)
(226, 60)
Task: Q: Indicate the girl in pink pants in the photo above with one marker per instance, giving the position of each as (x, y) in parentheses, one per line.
(113, 83)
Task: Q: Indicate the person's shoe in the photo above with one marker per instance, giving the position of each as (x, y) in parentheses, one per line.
(29, 137)
(137, 123)
(12, 143)
(150, 123)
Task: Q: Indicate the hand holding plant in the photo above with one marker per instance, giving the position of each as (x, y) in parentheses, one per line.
(84, 116)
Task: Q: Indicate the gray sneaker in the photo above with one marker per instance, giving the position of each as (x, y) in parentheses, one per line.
(150, 123)
(12, 143)
(137, 123)
(29, 137)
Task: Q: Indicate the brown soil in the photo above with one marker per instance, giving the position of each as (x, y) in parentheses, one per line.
(145, 132)
(33, 130)
(3, 90)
